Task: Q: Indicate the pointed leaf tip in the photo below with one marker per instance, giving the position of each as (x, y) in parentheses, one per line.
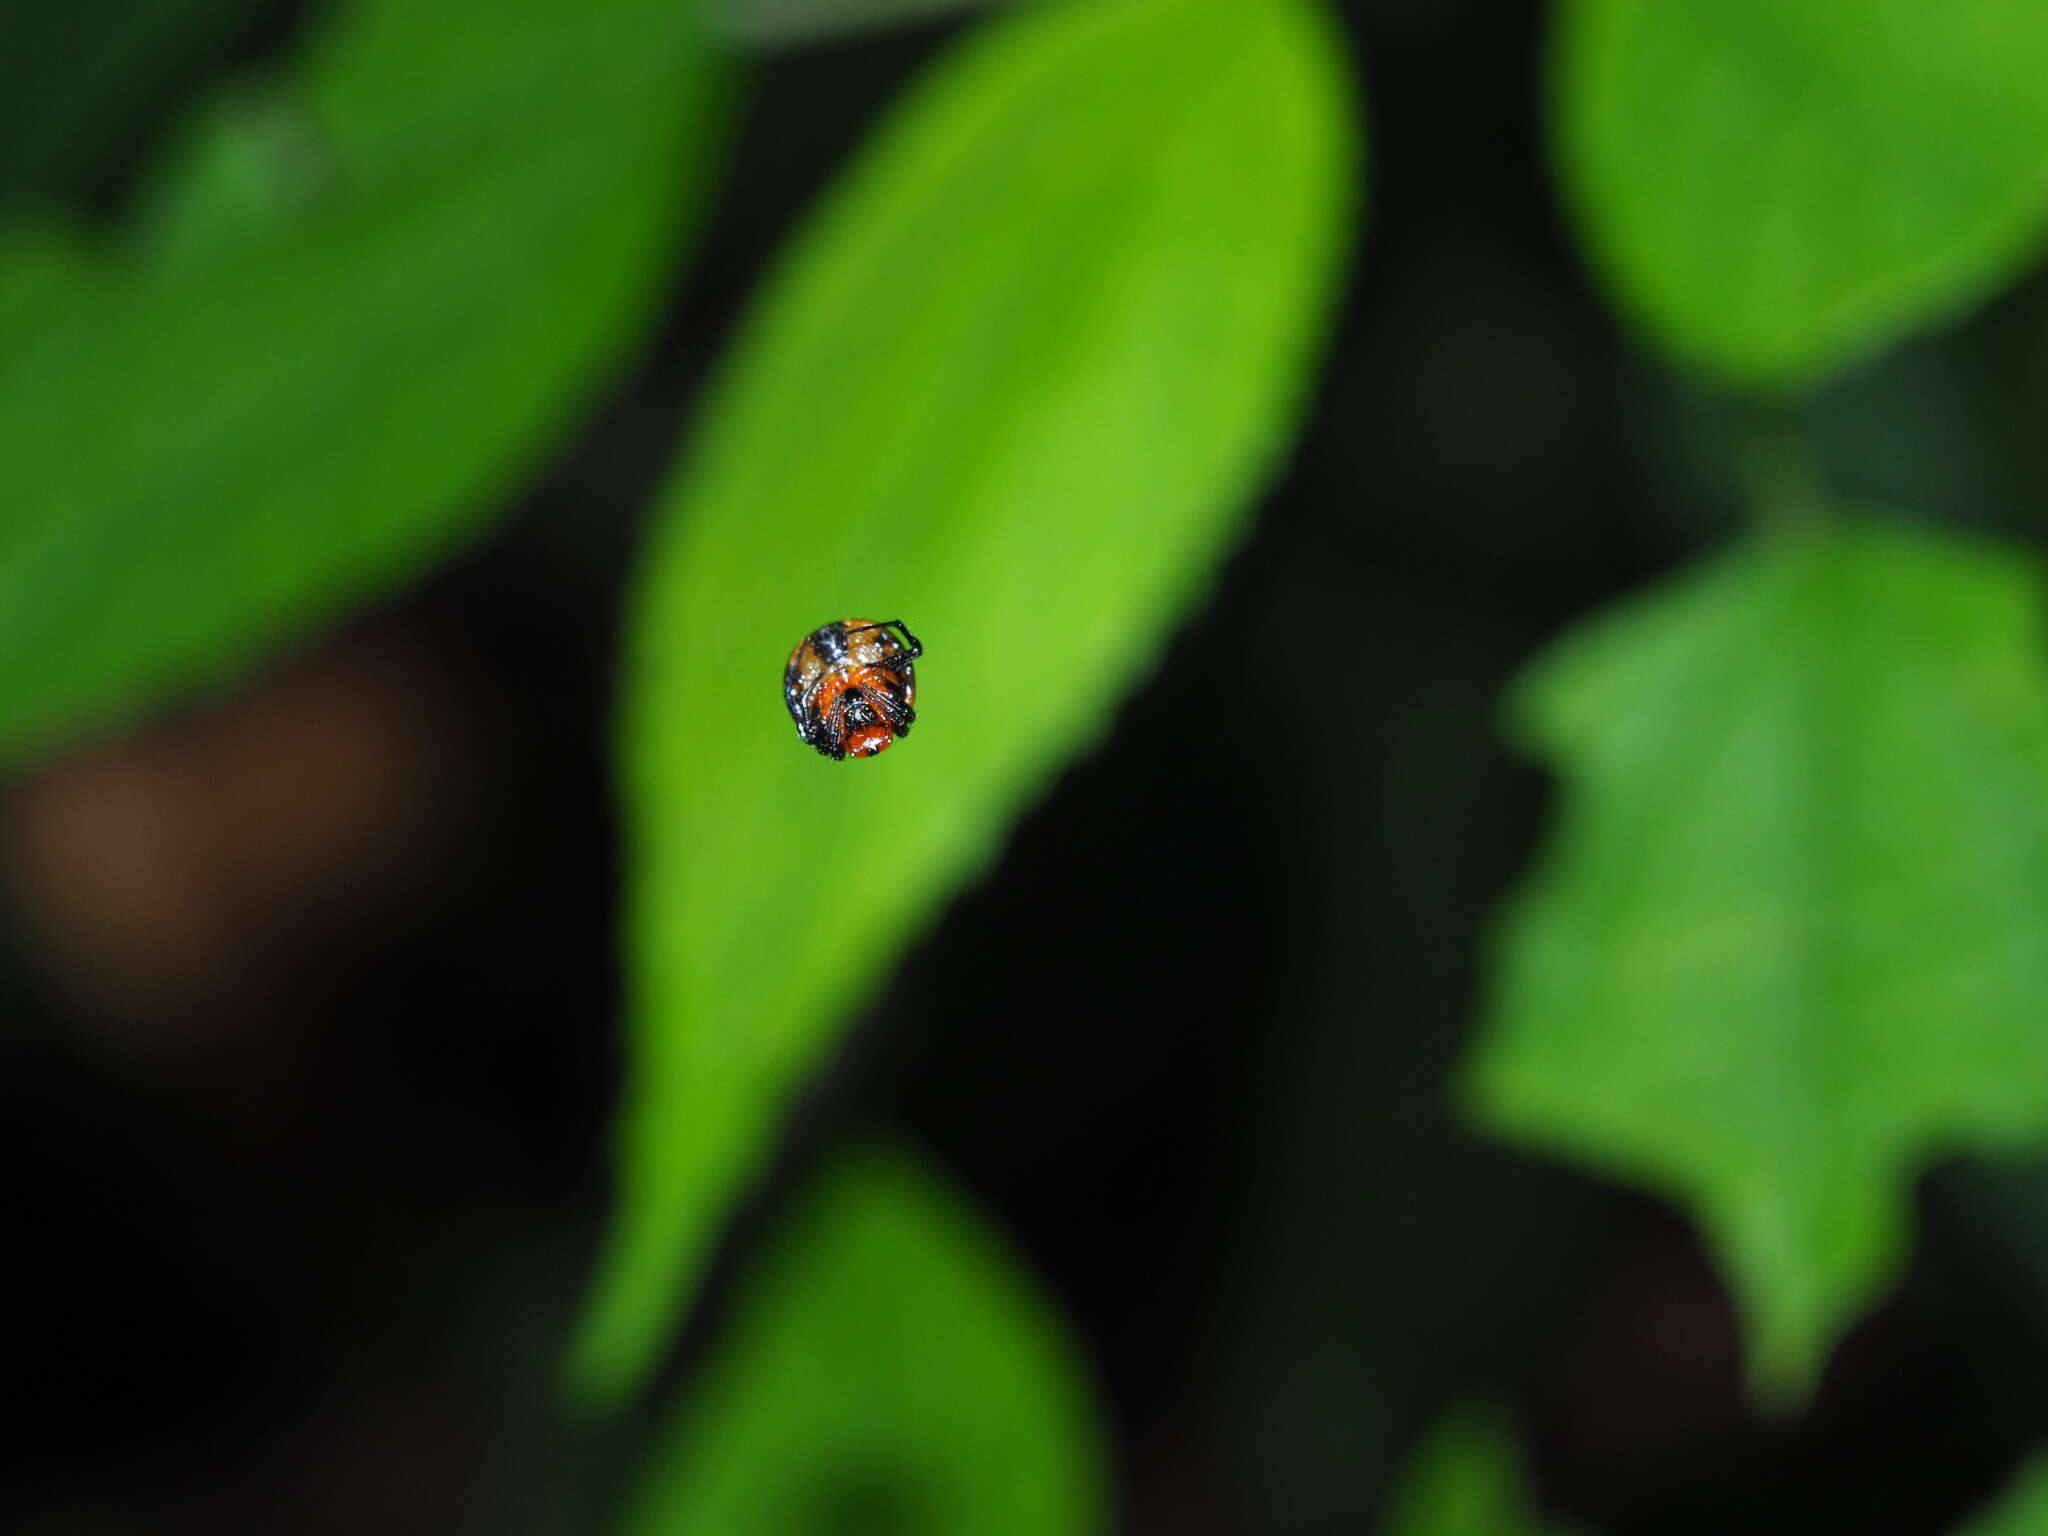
(1789, 934)
(1018, 384)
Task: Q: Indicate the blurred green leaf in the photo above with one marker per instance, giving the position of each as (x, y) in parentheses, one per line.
(1467, 1481)
(890, 1371)
(2021, 1510)
(1790, 935)
(356, 309)
(80, 79)
(1775, 187)
(1018, 386)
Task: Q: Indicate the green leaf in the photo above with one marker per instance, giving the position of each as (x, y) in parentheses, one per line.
(79, 80)
(358, 306)
(2021, 1510)
(889, 1370)
(1467, 1481)
(1017, 385)
(1775, 188)
(1790, 934)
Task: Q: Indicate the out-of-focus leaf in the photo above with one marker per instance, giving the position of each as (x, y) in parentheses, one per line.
(2021, 1510)
(1790, 935)
(78, 79)
(1018, 386)
(890, 1370)
(1774, 187)
(358, 306)
(1466, 1481)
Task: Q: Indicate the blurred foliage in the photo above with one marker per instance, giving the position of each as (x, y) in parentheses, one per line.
(350, 315)
(1782, 948)
(888, 1371)
(1018, 382)
(2022, 1510)
(1016, 385)
(1467, 1481)
(102, 68)
(1777, 188)
(1791, 934)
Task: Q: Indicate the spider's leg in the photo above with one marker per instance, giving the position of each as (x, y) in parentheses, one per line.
(916, 648)
(825, 729)
(892, 709)
(800, 712)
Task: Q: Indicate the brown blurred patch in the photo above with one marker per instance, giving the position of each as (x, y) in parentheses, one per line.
(198, 880)
(1645, 1391)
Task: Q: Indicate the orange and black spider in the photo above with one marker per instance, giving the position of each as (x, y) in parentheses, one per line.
(850, 687)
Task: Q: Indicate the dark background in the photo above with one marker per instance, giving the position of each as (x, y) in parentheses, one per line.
(311, 987)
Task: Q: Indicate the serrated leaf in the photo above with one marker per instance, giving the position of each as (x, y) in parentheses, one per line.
(1017, 386)
(889, 1370)
(1790, 933)
(1467, 1480)
(2021, 1510)
(1775, 188)
(357, 306)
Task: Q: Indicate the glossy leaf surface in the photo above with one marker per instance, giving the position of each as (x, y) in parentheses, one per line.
(1018, 384)
(1789, 937)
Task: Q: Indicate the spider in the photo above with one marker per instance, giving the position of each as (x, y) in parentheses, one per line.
(850, 686)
